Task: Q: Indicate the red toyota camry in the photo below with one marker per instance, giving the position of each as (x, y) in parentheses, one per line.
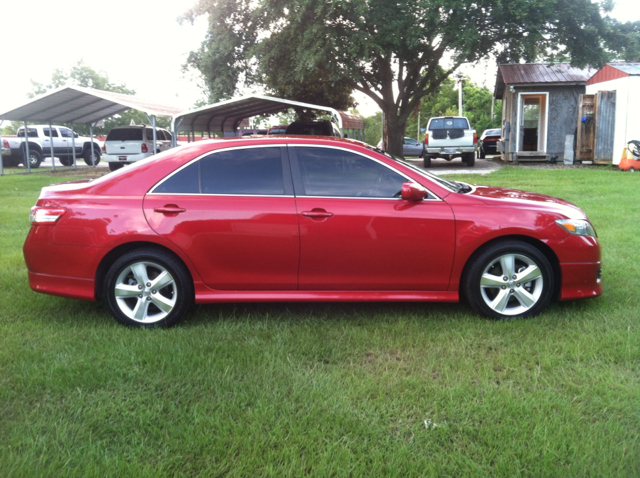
(302, 219)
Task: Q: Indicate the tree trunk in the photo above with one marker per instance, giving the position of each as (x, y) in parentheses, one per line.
(394, 128)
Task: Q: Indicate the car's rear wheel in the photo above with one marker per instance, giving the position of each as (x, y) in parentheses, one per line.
(469, 159)
(148, 288)
(66, 161)
(481, 153)
(427, 161)
(509, 280)
(115, 166)
(35, 159)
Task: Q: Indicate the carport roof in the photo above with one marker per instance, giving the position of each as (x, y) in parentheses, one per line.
(74, 104)
(227, 115)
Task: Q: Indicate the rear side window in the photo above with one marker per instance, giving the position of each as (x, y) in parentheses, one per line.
(251, 171)
(449, 123)
(125, 134)
(50, 132)
(32, 133)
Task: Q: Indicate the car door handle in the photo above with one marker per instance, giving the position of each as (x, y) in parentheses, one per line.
(170, 209)
(317, 213)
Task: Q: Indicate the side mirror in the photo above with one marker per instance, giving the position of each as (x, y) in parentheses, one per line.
(413, 191)
(75, 135)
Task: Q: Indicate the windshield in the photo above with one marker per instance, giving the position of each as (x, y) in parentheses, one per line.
(454, 186)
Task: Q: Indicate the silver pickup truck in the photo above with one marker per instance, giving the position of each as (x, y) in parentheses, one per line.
(40, 138)
(450, 137)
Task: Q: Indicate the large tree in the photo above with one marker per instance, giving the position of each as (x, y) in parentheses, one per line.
(395, 52)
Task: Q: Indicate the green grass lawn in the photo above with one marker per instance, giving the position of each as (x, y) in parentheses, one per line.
(277, 390)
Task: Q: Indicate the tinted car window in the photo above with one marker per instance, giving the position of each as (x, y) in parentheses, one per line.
(32, 133)
(449, 123)
(241, 171)
(47, 132)
(125, 134)
(66, 133)
(338, 173)
(185, 181)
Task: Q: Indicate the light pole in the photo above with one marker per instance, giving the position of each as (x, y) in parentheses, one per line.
(459, 78)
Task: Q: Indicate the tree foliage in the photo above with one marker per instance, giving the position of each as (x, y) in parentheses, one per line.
(394, 52)
(84, 76)
(444, 102)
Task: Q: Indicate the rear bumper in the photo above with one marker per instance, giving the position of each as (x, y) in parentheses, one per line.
(72, 287)
(124, 158)
(451, 150)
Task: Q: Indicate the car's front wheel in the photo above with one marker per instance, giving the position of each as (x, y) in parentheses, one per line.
(148, 288)
(509, 280)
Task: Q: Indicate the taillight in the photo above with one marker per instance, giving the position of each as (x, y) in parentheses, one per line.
(426, 139)
(40, 216)
(475, 138)
(145, 149)
(104, 148)
(6, 143)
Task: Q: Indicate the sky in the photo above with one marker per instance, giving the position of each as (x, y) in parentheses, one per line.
(138, 43)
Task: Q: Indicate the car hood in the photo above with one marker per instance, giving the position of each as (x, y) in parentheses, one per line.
(495, 196)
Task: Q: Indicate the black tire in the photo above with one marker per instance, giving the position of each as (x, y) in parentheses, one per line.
(469, 159)
(482, 154)
(66, 161)
(115, 166)
(35, 159)
(87, 156)
(489, 293)
(427, 161)
(138, 303)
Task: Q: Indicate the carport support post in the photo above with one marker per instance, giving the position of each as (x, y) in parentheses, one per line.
(26, 147)
(73, 146)
(1, 158)
(152, 120)
(93, 161)
(53, 160)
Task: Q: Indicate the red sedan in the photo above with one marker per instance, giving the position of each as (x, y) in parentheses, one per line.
(302, 219)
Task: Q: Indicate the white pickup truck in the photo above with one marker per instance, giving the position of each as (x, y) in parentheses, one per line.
(40, 138)
(450, 137)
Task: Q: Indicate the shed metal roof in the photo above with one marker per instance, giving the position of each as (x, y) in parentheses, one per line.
(74, 104)
(540, 73)
(227, 115)
(631, 69)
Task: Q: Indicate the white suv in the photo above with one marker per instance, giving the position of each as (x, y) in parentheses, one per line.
(128, 144)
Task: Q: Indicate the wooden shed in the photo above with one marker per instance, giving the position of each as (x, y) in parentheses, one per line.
(539, 109)
(620, 83)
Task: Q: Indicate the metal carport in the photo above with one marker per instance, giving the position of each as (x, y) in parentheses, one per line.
(226, 116)
(77, 105)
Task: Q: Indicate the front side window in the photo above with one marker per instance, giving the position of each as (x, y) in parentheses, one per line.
(66, 133)
(339, 173)
(250, 171)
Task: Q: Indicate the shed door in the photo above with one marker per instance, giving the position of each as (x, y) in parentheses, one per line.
(605, 126)
(532, 122)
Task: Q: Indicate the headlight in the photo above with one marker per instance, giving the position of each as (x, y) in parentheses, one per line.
(579, 227)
